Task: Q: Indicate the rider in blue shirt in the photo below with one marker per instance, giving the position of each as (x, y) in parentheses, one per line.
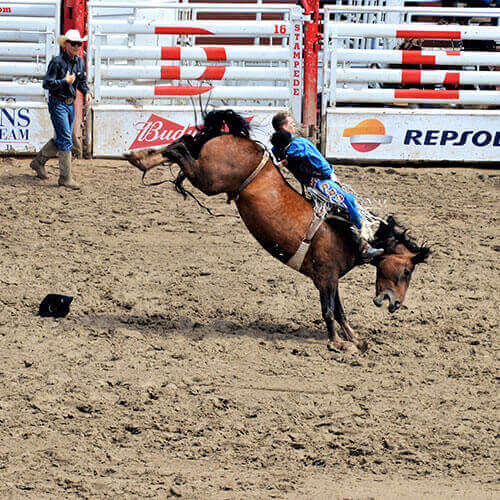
(311, 169)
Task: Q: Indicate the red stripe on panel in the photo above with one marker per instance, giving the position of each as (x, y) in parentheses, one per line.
(174, 30)
(416, 57)
(453, 52)
(171, 53)
(453, 78)
(426, 94)
(442, 35)
(213, 73)
(170, 72)
(215, 53)
(181, 90)
(411, 76)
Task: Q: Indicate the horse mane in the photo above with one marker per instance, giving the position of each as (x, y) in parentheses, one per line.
(390, 233)
(216, 123)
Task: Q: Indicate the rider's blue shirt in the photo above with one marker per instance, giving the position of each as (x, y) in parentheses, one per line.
(324, 176)
(303, 148)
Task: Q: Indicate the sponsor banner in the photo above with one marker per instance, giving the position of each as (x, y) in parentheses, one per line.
(117, 130)
(414, 135)
(24, 126)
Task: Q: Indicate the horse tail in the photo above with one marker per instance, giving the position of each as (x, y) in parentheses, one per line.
(226, 120)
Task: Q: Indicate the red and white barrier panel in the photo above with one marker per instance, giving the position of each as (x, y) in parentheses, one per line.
(192, 73)
(183, 91)
(430, 57)
(421, 31)
(418, 76)
(247, 28)
(387, 96)
(200, 53)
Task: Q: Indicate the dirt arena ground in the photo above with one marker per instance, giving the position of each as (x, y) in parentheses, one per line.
(193, 364)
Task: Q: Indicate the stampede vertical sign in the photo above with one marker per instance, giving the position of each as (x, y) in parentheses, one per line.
(296, 71)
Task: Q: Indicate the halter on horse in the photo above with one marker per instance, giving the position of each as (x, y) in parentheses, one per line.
(216, 161)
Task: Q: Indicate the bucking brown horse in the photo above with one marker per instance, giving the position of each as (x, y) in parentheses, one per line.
(222, 158)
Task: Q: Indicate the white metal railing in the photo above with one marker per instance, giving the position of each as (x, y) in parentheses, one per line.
(28, 32)
(249, 62)
(370, 12)
(364, 12)
(351, 74)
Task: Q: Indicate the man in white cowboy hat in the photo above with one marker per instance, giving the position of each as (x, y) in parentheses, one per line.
(65, 74)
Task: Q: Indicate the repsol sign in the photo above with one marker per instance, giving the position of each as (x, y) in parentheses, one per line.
(15, 125)
(479, 138)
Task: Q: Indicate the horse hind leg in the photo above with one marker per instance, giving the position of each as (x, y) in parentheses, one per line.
(178, 153)
(145, 159)
(348, 333)
(327, 297)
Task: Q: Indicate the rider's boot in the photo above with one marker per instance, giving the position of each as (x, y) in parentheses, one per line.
(65, 178)
(366, 252)
(38, 163)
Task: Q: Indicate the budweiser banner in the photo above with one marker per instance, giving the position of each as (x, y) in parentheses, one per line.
(117, 131)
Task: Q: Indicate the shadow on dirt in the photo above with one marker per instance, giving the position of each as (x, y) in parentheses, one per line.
(166, 326)
(28, 180)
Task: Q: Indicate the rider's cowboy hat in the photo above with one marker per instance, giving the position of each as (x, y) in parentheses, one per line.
(55, 305)
(70, 36)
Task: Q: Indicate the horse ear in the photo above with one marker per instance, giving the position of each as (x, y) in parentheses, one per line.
(421, 255)
(386, 229)
(391, 222)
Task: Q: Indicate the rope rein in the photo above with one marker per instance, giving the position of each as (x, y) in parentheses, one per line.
(179, 188)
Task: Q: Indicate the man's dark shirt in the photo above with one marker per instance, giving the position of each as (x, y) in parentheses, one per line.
(55, 82)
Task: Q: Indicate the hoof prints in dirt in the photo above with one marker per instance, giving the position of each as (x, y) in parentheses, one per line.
(192, 364)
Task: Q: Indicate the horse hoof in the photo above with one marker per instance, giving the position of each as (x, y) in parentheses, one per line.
(343, 347)
(363, 346)
(332, 347)
(350, 348)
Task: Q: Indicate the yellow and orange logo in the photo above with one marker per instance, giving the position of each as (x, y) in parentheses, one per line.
(367, 135)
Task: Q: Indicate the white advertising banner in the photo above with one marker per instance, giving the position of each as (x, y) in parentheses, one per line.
(121, 129)
(413, 135)
(24, 126)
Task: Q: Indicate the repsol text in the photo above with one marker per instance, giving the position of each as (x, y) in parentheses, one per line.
(478, 138)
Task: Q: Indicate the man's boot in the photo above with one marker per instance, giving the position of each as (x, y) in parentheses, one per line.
(366, 252)
(38, 163)
(65, 178)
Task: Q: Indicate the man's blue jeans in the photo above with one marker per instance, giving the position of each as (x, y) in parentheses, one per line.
(63, 119)
(340, 197)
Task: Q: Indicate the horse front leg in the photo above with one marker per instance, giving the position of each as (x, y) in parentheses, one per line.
(349, 333)
(327, 297)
